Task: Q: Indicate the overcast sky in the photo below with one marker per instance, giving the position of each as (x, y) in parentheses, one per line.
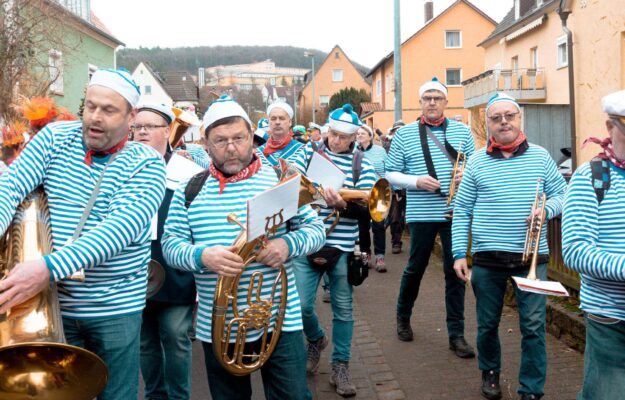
(363, 28)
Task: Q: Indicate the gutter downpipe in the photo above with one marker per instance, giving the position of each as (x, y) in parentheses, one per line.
(569, 48)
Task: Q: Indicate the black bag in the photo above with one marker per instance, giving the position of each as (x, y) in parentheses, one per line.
(326, 258)
(357, 270)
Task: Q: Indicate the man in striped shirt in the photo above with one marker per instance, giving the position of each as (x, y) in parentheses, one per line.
(421, 160)
(103, 313)
(593, 235)
(198, 238)
(281, 143)
(337, 252)
(494, 204)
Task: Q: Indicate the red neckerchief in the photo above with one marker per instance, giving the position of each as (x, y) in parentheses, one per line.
(508, 148)
(245, 173)
(608, 150)
(274, 145)
(436, 122)
(112, 150)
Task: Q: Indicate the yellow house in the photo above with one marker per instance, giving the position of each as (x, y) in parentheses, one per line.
(598, 30)
(336, 72)
(445, 47)
(526, 58)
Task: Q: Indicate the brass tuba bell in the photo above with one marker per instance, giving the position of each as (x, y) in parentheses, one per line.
(35, 362)
(184, 120)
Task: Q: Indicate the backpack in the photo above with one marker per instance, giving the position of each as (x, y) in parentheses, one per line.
(600, 176)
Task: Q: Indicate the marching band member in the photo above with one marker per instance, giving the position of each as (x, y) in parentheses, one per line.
(199, 239)
(103, 313)
(592, 244)
(281, 143)
(421, 160)
(194, 152)
(377, 156)
(495, 198)
(168, 315)
(338, 249)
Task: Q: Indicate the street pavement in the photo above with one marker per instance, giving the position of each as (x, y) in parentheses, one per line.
(385, 368)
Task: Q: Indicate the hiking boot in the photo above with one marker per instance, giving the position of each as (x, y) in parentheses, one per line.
(326, 295)
(460, 346)
(314, 350)
(364, 257)
(530, 396)
(380, 265)
(404, 331)
(490, 385)
(341, 379)
(397, 248)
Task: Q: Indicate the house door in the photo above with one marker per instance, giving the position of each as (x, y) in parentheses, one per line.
(548, 126)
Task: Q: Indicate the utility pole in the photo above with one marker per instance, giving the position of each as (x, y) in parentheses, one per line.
(312, 57)
(397, 63)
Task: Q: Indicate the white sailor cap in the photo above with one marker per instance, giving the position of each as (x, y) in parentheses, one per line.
(221, 108)
(160, 109)
(434, 84)
(614, 104)
(118, 80)
(282, 105)
(345, 120)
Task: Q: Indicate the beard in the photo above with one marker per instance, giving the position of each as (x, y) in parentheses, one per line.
(231, 163)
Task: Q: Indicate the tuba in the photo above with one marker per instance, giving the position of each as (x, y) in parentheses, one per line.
(35, 362)
(534, 229)
(183, 121)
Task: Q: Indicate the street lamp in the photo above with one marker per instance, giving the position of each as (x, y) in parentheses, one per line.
(312, 57)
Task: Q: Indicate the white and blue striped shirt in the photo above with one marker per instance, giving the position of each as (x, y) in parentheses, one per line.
(188, 232)
(496, 197)
(289, 153)
(344, 235)
(377, 157)
(198, 154)
(114, 247)
(593, 241)
(406, 156)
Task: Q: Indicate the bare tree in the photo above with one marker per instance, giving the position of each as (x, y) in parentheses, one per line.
(32, 32)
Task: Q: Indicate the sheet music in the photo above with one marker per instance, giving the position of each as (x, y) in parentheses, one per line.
(550, 288)
(325, 173)
(179, 169)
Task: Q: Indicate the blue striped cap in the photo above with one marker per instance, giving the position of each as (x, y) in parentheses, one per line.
(434, 84)
(160, 109)
(498, 97)
(344, 120)
(263, 123)
(221, 108)
(118, 80)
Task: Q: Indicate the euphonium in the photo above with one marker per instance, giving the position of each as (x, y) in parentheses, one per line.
(35, 362)
(458, 166)
(183, 121)
(534, 229)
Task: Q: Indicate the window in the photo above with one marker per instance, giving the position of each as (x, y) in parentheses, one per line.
(453, 40)
(147, 89)
(389, 83)
(55, 68)
(324, 101)
(336, 55)
(453, 76)
(337, 75)
(378, 87)
(534, 57)
(563, 52)
(514, 63)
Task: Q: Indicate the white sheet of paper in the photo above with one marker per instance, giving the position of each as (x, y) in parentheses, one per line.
(323, 172)
(550, 288)
(179, 169)
(272, 207)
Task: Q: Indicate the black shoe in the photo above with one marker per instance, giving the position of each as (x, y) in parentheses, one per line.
(530, 396)
(396, 248)
(490, 385)
(404, 331)
(460, 346)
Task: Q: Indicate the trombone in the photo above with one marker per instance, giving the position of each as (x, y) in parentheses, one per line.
(458, 166)
(534, 229)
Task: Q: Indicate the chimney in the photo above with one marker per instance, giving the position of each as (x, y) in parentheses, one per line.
(428, 10)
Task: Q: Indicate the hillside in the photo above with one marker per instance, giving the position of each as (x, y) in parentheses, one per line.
(191, 58)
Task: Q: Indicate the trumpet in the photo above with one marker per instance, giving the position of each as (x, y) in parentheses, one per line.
(458, 166)
(534, 229)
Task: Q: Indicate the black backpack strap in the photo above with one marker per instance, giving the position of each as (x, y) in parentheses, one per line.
(357, 165)
(194, 186)
(427, 156)
(600, 175)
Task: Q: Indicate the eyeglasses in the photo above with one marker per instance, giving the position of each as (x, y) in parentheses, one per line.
(435, 99)
(223, 143)
(148, 128)
(507, 116)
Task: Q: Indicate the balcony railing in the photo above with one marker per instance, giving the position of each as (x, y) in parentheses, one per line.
(526, 84)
